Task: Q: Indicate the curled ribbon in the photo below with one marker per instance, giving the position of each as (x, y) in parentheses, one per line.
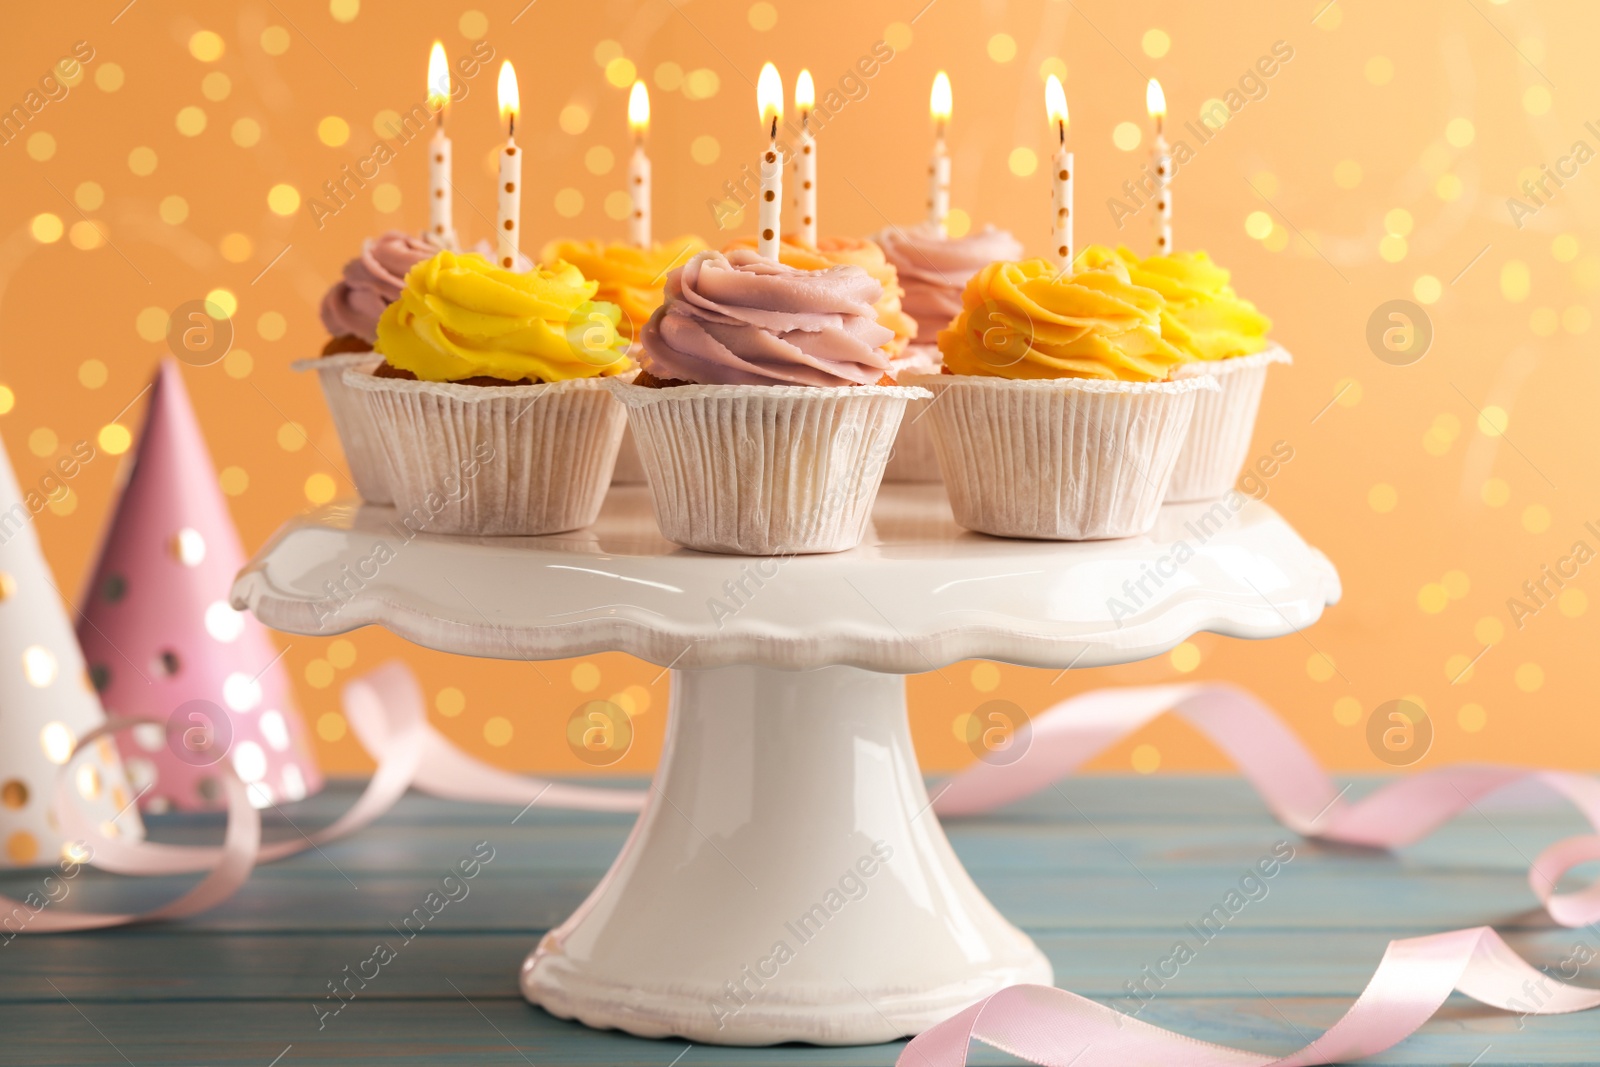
(1040, 1024)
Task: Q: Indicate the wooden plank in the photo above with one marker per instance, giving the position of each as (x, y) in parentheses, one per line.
(491, 1032)
(1105, 873)
(117, 967)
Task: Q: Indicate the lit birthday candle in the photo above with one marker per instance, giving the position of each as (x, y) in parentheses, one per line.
(509, 192)
(1055, 105)
(1155, 101)
(639, 165)
(440, 225)
(769, 98)
(805, 161)
(939, 107)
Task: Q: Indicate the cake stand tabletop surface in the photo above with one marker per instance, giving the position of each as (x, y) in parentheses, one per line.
(919, 593)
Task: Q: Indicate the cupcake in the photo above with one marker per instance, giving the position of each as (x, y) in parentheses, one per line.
(350, 311)
(1057, 416)
(933, 269)
(633, 278)
(490, 399)
(764, 408)
(1227, 338)
(854, 252)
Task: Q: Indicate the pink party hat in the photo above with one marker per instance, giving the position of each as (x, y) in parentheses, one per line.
(46, 702)
(162, 641)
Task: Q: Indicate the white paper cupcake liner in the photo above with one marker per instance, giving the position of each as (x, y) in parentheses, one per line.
(759, 470)
(1219, 435)
(914, 458)
(513, 459)
(1061, 459)
(369, 463)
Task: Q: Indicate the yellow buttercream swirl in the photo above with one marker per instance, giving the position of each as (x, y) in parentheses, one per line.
(633, 278)
(1203, 315)
(1032, 320)
(459, 316)
(853, 252)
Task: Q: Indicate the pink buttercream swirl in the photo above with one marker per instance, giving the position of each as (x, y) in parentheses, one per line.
(372, 281)
(738, 319)
(933, 269)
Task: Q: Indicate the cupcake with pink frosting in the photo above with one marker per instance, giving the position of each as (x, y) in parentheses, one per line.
(933, 271)
(368, 284)
(764, 409)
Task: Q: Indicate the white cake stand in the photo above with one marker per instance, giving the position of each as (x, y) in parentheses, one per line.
(786, 880)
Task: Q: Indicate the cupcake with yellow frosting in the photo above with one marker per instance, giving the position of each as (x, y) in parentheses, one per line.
(633, 279)
(490, 403)
(1058, 415)
(763, 409)
(1227, 338)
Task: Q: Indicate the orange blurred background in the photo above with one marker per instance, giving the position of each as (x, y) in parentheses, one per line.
(1374, 165)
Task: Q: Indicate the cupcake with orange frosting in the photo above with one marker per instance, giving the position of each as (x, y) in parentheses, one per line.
(763, 408)
(628, 276)
(1058, 414)
(632, 278)
(367, 285)
(490, 402)
(1227, 337)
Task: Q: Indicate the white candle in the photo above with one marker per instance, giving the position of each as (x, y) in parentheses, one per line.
(1055, 100)
(441, 226)
(939, 106)
(1156, 102)
(769, 97)
(805, 161)
(508, 224)
(639, 165)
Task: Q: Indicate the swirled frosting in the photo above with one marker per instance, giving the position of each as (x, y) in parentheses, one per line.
(852, 252)
(460, 317)
(633, 278)
(933, 269)
(739, 319)
(1030, 319)
(371, 282)
(1203, 316)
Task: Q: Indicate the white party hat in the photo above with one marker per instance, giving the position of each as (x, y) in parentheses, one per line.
(46, 699)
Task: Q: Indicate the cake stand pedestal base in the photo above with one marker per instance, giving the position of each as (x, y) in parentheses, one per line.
(788, 880)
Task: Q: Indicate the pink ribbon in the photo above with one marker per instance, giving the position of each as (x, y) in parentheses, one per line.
(1042, 1025)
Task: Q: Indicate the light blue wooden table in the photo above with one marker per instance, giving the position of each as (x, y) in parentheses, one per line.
(1106, 875)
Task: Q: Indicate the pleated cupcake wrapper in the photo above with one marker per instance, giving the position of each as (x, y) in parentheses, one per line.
(914, 458)
(760, 470)
(369, 464)
(1219, 435)
(1064, 459)
(514, 460)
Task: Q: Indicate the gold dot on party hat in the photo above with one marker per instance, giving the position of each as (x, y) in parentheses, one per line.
(39, 666)
(57, 742)
(188, 547)
(8, 585)
(14, 794)
(22, 847)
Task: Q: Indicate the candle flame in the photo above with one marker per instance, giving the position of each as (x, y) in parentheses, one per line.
(639, 109)
(805, 94)
(769, 96)
(438, 78)
(510, 100)
(1155, 101)
(940, 100)
(1055, 103)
